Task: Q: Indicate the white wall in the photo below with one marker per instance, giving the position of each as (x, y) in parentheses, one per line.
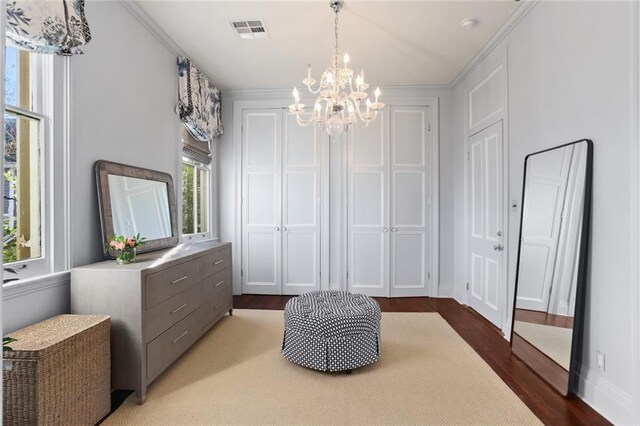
(123, 94)
(228, 173)
(571, 74)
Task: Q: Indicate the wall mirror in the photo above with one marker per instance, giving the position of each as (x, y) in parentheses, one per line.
(552, 262)
(134, 200)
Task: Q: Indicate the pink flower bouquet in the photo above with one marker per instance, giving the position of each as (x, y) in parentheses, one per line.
(125, 247)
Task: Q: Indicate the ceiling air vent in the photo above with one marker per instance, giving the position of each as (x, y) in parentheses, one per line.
(250, 29)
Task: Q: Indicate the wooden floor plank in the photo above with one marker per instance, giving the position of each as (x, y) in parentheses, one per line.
(487, 341)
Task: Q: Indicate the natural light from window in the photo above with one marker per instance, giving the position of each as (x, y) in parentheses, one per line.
(195, 201)
(22, 237)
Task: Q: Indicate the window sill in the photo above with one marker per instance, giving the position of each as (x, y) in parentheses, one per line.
(25, 286)
(192, 238)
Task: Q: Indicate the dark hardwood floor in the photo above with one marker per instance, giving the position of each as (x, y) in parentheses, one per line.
(543, 318)
(487, 341)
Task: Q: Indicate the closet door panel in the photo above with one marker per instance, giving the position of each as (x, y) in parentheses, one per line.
(261, 205)
(409, 199)
(300, 198)
(408, 256)
(300, 208)
(409, 249)
(368, 206)
(368, 199)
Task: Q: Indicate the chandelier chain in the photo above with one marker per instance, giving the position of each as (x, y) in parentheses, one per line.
(336, 32)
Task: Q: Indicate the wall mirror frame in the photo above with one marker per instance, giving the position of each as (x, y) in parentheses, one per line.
(151, 198)
(551, 270)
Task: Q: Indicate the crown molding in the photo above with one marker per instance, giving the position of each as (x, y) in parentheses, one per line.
(388, 91)
(150, 24)
(523, 9)
(133, 7)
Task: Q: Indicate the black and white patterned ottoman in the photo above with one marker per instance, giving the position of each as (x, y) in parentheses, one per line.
(331, 330)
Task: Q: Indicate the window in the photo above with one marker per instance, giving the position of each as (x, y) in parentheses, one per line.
(195, 199)
(24, 238)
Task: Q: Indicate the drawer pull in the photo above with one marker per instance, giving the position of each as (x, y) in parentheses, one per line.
(219, 284)
(179, 308)
(218, 262)
(179, 279)
(177, 339)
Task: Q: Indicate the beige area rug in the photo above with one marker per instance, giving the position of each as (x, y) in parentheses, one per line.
(555, 342)
(235, 375)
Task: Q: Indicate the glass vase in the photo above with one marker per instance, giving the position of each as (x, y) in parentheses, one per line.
(126, 256)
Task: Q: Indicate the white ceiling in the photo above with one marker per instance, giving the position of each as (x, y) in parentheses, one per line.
(395, 42)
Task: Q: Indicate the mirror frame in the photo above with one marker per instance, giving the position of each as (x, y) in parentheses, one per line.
(565, 382)
(105, 168)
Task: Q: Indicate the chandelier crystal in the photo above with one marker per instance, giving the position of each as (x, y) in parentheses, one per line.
(341, 101)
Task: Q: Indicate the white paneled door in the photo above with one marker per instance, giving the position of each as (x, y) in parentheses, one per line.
(368, 206)
(300, 208)
(485, 222)
(280, 205)
(387, 205)
(409, 199)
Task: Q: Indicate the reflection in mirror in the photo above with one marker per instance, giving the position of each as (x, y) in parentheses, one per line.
(132, 201)
(551, 260)
(139, 206)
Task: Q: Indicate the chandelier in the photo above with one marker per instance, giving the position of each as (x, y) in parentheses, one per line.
(339, 104)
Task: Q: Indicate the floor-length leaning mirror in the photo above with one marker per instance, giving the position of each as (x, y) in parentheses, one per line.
(552, 262)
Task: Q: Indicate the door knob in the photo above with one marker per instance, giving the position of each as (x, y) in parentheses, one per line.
(394, 229)
(284, 228)
(499, 233)
(385, 229)
(498, 247)
(276, 228)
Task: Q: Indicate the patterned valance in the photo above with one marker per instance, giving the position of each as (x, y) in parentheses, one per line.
(198, 102)
(194, 149)
(54, 26)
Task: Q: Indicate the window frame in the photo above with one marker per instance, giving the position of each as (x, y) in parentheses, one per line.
(41, 79)
(50, 82)
(198, 236)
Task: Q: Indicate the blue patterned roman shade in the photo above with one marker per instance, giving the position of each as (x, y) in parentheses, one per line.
(199, 102)
(55, 26)
(194, 149)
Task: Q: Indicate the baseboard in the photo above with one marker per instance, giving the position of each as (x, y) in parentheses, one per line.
(445, 290)
(460, 295)
(611, 402)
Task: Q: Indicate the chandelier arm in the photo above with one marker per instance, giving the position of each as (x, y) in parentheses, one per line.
(303, 122)
(314, 92)
(367, 120)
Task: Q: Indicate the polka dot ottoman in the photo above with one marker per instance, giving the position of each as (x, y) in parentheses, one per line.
(331, 330)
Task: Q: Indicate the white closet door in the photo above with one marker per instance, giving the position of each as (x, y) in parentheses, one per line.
(409, 139)
(261, 201)
(300, 208)
(485, 222)
(545, 191)
(368, 233)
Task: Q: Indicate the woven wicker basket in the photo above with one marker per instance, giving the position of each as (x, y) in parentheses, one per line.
(60, 372)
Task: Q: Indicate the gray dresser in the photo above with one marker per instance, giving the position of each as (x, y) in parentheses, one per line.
(159, 306)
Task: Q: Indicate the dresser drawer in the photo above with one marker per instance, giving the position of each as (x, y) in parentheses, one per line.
(213, 309)
(216, 283)
(164, 315)
(164, 284)
(167, 347)
(215, 262)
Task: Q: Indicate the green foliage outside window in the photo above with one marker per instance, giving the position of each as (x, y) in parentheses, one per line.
(187, 198)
